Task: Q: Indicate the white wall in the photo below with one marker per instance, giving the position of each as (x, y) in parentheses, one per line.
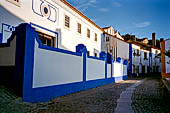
(108, 70)
(95, 69)
(7, 54)
(144, 61)
(122, 49)
(54, 68)
(135, 59)
(117, 69)
(167, 59)
(7, 18)
(124, 69)
(69, 37)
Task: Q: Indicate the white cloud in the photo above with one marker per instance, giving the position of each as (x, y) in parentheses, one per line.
(82, 5)
(103, 9)
(142, 24)
(116, 4)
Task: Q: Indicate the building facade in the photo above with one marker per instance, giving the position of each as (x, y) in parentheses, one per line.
(165, 48)
(57, 15)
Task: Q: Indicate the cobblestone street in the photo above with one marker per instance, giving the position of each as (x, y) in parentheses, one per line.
(151, 97)
(148, 97)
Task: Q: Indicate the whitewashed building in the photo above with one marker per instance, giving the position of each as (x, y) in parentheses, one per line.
(57, 15)
(165, 48)
(48, 49)
(114, 44)
(145, 59)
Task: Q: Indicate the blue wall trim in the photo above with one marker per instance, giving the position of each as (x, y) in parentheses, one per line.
(49, 5)
(130, 58)
(111, 66)
(47, 93)
(84, 65)
(0, 37)
(10, 27)
(46, 30)
(96, 58)
(28, 66)
(106, 67)
(31, 94)
(149, 59)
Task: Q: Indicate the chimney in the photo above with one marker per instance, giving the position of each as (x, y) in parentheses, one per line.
(161, 39)
(154, 39)
(134, 37)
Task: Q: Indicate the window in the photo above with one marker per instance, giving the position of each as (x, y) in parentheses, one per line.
(145, 55)
(67, 21)
(95, 54)
(79, 28)
(138, 52)
(88, 33)
(137, 69)
(148, 69)
(107, 39)
(46, 39)
(134, 69)
(16, 2)
(88, 53)
(95, 37)
(143, 69)
(45, 10)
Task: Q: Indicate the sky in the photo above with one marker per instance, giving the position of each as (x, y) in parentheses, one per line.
(136, 17)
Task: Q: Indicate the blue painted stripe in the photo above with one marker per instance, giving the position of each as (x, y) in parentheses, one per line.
(84, 65)
(32, 24)
(130, 58)
(28, 66)
(111, 66)
(59, 50)
(106, 67)
(43, 28)
(96, 58)
(0, 37)
(46, 93)
(31, 94)
(149, 59)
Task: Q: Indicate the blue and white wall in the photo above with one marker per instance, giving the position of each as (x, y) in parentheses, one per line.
(43, 72)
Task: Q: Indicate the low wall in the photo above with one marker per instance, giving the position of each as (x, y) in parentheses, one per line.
(7, 53)
(49, 72)
(55, 68)
(95, 69)
(109, 68)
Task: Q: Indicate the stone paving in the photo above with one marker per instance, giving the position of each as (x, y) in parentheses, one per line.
(125, 101)
(97, 100)
(149, 97)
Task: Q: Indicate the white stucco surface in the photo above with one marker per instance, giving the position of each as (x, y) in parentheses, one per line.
(69, 38)
(117, 69)
(95, 69)
(167, 59)
(7, 54)
(108, 70)
(10, 19)
(122, 49)
(124, 69)
(54, 68)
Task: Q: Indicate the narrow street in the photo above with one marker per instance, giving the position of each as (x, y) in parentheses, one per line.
(148, 96)
(151, 97)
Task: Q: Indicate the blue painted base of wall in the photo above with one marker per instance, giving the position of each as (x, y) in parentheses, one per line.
(47, 93)
(0, 37)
